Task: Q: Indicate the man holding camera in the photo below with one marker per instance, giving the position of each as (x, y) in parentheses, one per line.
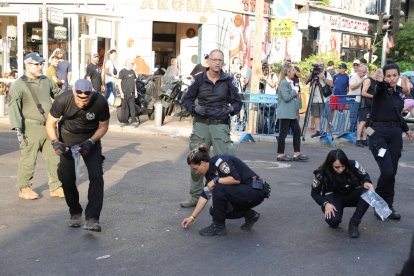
(318, 79)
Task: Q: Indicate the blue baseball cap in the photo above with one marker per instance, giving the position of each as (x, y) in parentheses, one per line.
(342, 65)
(83, 85)
(33, 56)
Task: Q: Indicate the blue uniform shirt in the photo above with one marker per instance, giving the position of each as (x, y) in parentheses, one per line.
(341, 84)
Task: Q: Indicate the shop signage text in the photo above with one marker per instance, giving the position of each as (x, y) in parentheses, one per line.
(344, 23)
(179, 5)
(281, 27)
(55, 16)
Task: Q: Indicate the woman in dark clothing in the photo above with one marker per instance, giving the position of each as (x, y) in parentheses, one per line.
(231, 184)
(387, 126)
(339, 183)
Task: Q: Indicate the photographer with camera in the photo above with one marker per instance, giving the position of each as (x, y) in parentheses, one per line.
(318, 79)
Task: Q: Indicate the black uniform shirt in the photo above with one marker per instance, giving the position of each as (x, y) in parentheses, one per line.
(386, 104)
(79, 124)
(95, 73)
(127, 78)
(322, 187)
(228, 165)
(213, 97)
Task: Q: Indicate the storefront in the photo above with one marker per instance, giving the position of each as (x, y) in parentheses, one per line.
(42, 28)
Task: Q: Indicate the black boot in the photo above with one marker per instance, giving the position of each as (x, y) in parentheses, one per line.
(215, 229)
(353, 227)
(250, 219)
(394, 215)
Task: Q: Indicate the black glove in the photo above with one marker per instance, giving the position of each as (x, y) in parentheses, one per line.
(228, 109)
(86, 147)
(200, 110)
(59, 147)
(20, 135)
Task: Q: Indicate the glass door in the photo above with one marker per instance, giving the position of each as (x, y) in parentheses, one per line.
(89, 45)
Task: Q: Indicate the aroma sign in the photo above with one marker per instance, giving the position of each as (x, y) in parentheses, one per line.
(179, 5)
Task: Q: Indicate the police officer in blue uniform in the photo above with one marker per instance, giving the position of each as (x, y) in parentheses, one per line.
(234, 187)
(386, 126)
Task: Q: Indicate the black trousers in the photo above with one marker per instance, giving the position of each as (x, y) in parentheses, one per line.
(389, 138)
(234, 201)
(66, 174)
(129, 99)
(340, 201)
(285, 125)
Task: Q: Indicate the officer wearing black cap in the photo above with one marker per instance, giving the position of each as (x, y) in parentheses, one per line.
(84, 121)
(212, 98)
(385, 129)
(233, 186)
(29, 103)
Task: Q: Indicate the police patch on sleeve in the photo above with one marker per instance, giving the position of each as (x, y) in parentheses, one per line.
(224, 168)
(315, 183)
(360, 169)
(219, 160)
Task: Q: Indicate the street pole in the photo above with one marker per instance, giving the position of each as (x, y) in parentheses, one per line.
(385, 39)
(257, 61)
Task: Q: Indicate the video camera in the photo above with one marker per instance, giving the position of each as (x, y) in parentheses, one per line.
(316, 69)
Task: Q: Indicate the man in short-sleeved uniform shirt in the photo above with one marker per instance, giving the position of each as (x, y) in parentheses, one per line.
(94, 73)
(128, 91)
(85, 120)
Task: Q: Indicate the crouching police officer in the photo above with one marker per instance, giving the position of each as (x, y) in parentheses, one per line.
(85, 120)
(234, 187)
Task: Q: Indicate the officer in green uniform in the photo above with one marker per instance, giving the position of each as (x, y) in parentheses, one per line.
(217, 98)
(28, 119)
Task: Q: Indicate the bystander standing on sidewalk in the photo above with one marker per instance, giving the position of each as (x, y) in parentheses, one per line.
(287, 108)
(94, 74)
(29, 103)
(110, 74)
(63, 70)
(128, 92)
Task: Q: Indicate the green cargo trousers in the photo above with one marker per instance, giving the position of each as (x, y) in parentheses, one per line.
(36, 141)
(217, 136)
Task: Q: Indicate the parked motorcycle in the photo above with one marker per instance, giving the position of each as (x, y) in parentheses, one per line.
(171, 95)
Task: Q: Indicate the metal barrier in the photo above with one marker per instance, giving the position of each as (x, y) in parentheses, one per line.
(263, 108)
(339, 119)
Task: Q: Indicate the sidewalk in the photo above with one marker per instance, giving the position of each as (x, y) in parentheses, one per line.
(173, 127)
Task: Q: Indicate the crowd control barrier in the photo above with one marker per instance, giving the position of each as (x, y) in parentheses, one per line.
(339, 119)
(263, 108)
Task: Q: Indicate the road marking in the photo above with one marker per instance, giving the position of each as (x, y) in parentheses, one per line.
(407, 164)
(257, 164)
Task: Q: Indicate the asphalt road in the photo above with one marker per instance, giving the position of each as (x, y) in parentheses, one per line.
(145, 179)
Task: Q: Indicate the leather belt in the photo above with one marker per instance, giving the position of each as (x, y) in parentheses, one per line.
(211, 121)
(386, 124)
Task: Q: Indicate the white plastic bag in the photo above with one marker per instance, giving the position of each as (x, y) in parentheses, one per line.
(76, 158)
(380, 206)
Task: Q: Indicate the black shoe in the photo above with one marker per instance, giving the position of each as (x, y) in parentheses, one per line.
(359, 144)
(318, 133)
(394, 215)
(284, 158)
(250, 221)
(75, 221)
(300, 158)
(214, 229)
(353, 228)
(365, 143)
(92, 225)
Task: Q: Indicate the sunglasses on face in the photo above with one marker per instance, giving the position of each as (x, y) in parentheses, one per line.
(87, 93)
(37, 64)
(356, 64)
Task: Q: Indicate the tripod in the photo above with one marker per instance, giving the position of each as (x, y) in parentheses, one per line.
(314, 83)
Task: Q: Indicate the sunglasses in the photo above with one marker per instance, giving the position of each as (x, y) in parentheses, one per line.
(87, 93)
(356, 64)
(37, 64)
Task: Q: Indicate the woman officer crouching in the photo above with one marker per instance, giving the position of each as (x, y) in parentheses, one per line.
(339, 183)
(229, 181)
(385, 141)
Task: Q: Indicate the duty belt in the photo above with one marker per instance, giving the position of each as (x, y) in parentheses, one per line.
(34, 122)
(386, 124)
(211, 121)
